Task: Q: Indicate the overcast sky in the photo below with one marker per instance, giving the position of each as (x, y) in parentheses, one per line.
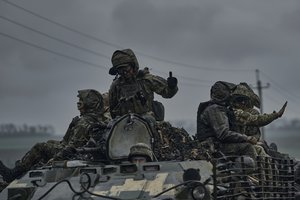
(51, 49)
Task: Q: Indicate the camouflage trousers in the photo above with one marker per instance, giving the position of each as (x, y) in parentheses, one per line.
(40, 153)
(265, 166)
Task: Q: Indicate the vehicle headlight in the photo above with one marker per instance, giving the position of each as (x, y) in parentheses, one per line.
(199, 192)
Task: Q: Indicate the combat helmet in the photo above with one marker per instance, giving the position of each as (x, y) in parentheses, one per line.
(243, 90)
(122, 57)
(255, 100)
(141, 149)
(92, 100)
(221, 91)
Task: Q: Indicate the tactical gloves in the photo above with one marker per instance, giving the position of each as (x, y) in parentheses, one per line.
(172, 81)
(281, 111)
(251, 140)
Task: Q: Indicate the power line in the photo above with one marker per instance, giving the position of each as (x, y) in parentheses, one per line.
(53, 52)
(259, 88)
(192, 66)
(274, 100)
(119, 47)
(54, 38)
(289, 98)
(280, 103)
(183, 77)
(282, 89)
(192, 84)
(61, 25)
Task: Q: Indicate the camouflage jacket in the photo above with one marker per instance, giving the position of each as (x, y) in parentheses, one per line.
(214, 122)
(137, 95)
(249, 120)
(82, 129)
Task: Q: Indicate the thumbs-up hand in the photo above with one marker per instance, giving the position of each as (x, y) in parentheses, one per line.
(172, 81)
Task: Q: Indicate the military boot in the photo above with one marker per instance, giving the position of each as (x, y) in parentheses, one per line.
(10, 174)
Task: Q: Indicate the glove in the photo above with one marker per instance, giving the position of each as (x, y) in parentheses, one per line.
(172, 81)
(251, 140)
(281, 111)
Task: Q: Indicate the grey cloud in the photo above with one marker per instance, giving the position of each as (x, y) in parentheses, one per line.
(221, 34)
(290, 21)
(207, 30)
(146, 22)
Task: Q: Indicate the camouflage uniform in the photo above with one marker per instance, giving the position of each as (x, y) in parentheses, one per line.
(215, 120)
(79, 132)
(247, 117)
(249, 120)
(136, 94)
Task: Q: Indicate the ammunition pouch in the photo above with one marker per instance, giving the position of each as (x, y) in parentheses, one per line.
(159, 110)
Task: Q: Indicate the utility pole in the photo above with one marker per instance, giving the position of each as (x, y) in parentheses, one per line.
(259, 88)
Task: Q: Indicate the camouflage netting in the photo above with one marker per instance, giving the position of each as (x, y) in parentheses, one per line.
(173, 142)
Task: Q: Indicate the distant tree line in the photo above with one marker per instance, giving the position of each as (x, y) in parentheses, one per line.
(285, 124)
(10, 129)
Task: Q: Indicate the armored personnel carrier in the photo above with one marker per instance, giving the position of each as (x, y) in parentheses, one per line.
(213, 177)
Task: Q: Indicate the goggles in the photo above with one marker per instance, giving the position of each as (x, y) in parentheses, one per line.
(124, 69)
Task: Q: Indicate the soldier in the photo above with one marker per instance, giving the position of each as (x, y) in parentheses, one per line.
(81, 128)
(248, 119)
(133, 90)
(215, 122)
(140, 153)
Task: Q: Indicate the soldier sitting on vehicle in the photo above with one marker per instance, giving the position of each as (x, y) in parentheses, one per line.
(215, 123)
(90, 105)
(248, 119)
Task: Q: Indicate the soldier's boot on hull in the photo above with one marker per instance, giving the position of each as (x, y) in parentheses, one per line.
(10, 174)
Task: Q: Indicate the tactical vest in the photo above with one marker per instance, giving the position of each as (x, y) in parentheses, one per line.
(134, 98)
(88, 123)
